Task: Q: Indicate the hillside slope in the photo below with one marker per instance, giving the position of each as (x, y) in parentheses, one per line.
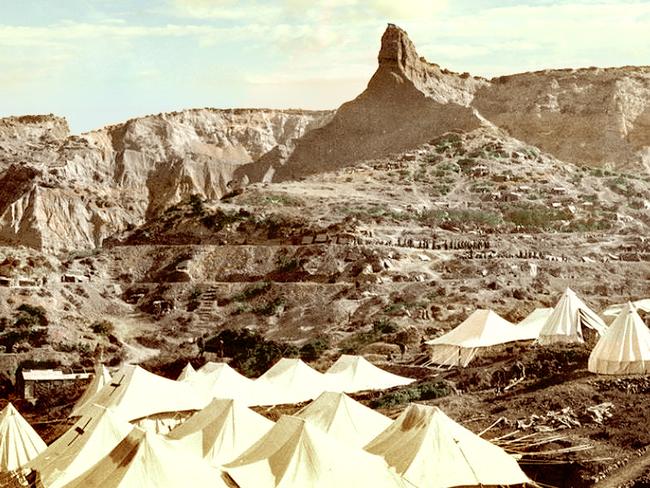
(70, 192)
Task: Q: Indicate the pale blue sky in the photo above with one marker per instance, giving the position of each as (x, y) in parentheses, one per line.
(103, 61)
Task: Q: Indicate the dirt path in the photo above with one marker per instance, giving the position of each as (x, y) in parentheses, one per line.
(136, 353)
(129, 327)
(630, 472)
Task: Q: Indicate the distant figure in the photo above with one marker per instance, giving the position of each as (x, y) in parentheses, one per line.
(518, 370)
(499, 380)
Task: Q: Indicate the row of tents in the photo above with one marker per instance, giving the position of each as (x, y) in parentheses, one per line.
(138, 394)
(623, 347)
(293, 381)
(333, 441)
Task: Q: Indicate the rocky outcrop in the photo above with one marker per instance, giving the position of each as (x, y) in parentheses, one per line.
(399, 58)
(407, 102)
(31, 129)
(69, 192)
(594, 117)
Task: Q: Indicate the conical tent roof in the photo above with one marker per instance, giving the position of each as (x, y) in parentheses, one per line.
(615, 310)
(355, 373)
(482, 328)
(565, 324)
(212, 366)
(91, 438)
(19, 442)
(625, 347)
(146, 460)
(290, 381)
(347, 420)
(295, 453)
(219, 380)
(432, 451)
(135, 393)
(221, 431)
(101, 378)
(530, 328)
(187, 372)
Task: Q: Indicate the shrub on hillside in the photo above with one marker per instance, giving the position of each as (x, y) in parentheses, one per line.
(271, 307)
(9, 338)
(529, 215)
(193, 299)
(103, 327)
(589, 225)
(429, 390)
(384, 326)
(196, 202)
(30, 316)
(466, 164)
(220, 219)
(354, 343)
(251, 353)
(286, 264)
(170, 365)
(315, 348)
(28, 328)
(557, 360)
(460, 218)
(252, 291)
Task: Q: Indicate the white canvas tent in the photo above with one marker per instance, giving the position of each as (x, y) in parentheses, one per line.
(347, 420)
(211, 367)
(290, 381)
(219, 380)
(135, 394)
(187, 373)
(432, 451)
(354, 373)
(569, 316)
(146, 460)
(91, 438)
(295, 453)
(624, 348)
(641, 305)
(221, 431)
(530, 328)
(19, 442)
(101, 377)
(483, 328)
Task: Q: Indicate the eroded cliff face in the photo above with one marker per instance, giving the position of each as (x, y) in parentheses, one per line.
(21, 133)
(70, 192)
(594, 117)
